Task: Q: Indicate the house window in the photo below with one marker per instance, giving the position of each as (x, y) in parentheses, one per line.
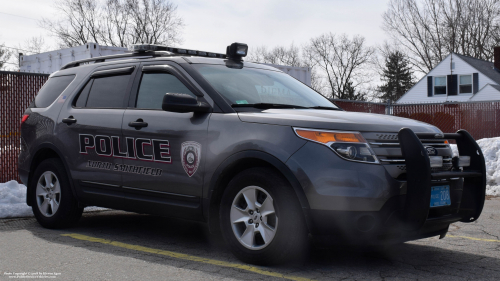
(465, 84)
(440, 85)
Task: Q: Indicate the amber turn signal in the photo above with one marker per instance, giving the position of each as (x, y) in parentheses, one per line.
(326, 137)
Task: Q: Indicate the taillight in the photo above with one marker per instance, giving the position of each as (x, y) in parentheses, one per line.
(25, 117)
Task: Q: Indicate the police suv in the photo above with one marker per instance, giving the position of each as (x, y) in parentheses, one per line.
(259, 156)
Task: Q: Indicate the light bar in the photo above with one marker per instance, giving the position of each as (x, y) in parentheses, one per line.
(141, 48)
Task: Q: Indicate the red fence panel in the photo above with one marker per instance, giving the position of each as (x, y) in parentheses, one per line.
(480, 119)
(361, 106)
(17, 90)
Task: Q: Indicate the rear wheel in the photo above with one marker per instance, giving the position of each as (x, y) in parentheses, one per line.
(261, 218)
(54, 205)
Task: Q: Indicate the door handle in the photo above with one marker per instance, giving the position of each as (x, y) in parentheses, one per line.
(70, 120)
(138, 124)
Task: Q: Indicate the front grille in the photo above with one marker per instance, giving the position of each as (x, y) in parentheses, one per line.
(388, 150)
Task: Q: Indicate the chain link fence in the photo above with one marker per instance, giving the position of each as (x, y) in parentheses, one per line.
(17, 90)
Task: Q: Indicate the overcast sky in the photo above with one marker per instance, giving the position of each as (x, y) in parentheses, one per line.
(212, 25)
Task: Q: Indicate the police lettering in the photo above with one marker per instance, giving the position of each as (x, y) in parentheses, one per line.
(140, 149)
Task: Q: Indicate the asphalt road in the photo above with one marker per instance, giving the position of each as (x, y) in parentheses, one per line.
(112, 245)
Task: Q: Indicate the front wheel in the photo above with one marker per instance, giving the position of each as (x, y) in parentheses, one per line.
(54, 205)
(261, 218)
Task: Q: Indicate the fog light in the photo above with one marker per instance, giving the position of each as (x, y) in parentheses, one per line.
(436, 161)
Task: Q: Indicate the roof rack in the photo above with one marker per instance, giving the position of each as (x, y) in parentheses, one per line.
(104, 58)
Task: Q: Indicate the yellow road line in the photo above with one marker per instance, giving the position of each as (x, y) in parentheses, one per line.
(472, 238)
(184, 256)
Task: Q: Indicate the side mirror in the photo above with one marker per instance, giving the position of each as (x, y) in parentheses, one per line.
(183, 103)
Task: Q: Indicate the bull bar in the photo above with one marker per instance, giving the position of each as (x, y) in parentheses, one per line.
(420, 178)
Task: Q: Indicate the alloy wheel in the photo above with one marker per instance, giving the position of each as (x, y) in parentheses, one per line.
(48, 194)
(253, 218)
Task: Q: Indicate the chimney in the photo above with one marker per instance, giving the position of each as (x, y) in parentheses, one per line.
(496, 58)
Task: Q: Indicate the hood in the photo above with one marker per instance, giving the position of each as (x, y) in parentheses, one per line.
(336, 120)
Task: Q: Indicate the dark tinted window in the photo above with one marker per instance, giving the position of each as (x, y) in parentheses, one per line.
(154, 86)
(52, 89)
(108, 92)
(84, 94)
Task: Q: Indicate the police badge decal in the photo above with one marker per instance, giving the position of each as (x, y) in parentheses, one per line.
(190, 156)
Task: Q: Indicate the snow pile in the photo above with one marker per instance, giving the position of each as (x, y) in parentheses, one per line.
(491, 152)
(13, 201)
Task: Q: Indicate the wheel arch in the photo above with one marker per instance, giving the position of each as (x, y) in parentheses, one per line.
(45, 151)
(239, 162)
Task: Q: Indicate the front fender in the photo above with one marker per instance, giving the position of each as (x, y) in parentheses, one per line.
(238, 162)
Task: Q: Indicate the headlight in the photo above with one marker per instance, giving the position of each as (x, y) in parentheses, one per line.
(348, 145)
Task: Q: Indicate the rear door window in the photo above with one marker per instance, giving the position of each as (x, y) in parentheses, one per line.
(52, 89)
(107, 92)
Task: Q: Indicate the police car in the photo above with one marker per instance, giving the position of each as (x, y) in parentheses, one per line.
(259, 156)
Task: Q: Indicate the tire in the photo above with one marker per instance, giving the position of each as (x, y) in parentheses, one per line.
(269, 238)
(54, 205)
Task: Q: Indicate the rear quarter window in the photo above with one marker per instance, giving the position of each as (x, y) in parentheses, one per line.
(52, 89)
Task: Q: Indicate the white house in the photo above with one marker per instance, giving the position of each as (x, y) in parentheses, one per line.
(52, 61)
(458, 78)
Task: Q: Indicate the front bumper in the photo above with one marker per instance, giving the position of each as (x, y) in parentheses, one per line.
(361, 202)
(376, 227)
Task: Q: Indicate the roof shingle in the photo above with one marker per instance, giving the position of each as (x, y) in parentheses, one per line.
(485, 67)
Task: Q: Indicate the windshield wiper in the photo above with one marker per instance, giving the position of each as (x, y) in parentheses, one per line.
(267, 105)
(325, 107)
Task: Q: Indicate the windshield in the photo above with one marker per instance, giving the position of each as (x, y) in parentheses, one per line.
(257, 86)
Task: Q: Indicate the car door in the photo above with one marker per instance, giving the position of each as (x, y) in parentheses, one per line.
(166, 164)
(90, 125)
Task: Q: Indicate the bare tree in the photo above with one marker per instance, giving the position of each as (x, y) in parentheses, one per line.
(115, 22)
(317, 81)
(5, 54)
(291, 56)
(342, 61)
(278, 55)
(154, 22)
(31, 46)
(429, 30)
(35, 45)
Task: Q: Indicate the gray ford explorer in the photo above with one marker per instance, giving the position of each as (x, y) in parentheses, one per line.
(262, 158)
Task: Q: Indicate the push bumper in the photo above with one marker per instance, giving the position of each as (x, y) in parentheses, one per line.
(409, 216)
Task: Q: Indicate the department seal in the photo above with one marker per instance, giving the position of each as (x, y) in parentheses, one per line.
(190, 156)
